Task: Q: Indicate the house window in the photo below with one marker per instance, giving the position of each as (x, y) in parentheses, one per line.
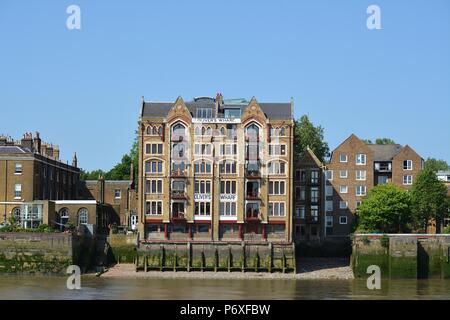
(302, 193)
(328, 206)
(277, 168)
(228, 149)
(343, 157)
(343, 189)
(82, 216)
(358, 204)
(203, 149)
(361, 175)
(228, 209)
(361, 190)
(204, 113)
(314, 194)
(232, 113)
(276, 187)
(276, 209)
(302, 175)
(329, 175)
(328, 191)
(277, 149)
(18, 168)
(153, 207)
(361, 159)
(154, 148)
(407, 180)
(153, 166)
(343, 205)
(202, 167)
(153, 186)
(300, 212)
(329, 221)
(228, 187)
(18, 191)
(315, 176)
(227, 167)
(407, 165)
(202, 186)
(343, 174)
(314, 213)
(202, 208)
(342, 220)
(117, 194)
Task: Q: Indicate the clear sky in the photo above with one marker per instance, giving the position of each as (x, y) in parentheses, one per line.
(82, 88)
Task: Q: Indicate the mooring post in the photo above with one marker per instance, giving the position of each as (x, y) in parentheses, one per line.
(270, 256)
(189, 256)
(229, 258)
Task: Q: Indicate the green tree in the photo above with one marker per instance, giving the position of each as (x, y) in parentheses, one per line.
(429, 200)
(386, 209)
(436, 165)
(379, 141)
(306, 134)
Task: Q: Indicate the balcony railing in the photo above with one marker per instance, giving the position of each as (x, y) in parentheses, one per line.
(178, 194)
(383, 167)
(178, 173)
(177, 216)
(252, 195)
(253, 174)
(253, 215)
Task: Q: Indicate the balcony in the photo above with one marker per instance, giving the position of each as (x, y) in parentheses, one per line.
(383, 167)
(178, 216)
(178, 173)
(252, 195)
(253, 174)
(179, 194)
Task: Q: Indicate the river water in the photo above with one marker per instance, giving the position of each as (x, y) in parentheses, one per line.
(51, 287)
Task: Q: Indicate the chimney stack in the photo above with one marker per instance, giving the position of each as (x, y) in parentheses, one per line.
(56, 153)
(50, 151)
(219, 102)
(27, 141)
(3, 140)
(37, 143)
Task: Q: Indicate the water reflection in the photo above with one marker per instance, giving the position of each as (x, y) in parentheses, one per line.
(28, 287)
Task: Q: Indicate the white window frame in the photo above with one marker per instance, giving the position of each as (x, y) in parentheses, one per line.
(361, 175)
(407, 180)
(341, 175)
(277, 149)
(277, 192)
(226, 208)
(151, 213)
(277, 205)
(329, 205)
(18, 191)
(341, 188)
(343, 205)
(117, 196)
(361, 188)
(329, 175)
(16, 166)
(409, 165)
(151, 182)
(359, 158)
(149, 150)
(328, 191)
(341, 221)
(343, 160)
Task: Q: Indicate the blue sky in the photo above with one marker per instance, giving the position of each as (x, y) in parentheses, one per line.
(81, 88)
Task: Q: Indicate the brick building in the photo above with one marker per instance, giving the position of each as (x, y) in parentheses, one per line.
(36, 187)
(215, 170)
(354, 168)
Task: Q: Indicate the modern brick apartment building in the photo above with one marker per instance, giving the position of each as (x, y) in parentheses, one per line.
(354, 168)
(215, 170)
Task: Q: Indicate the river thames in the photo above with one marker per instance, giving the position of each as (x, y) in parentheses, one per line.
(52, 287)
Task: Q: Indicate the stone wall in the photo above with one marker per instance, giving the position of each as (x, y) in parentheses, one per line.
(35, 252)
(406, 256)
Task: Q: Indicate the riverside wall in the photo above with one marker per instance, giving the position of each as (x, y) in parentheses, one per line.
(406, 256)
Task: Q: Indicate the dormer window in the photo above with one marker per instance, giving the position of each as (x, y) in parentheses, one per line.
(204, 113)
(232, 113)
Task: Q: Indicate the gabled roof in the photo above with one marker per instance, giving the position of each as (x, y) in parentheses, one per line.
(161, 109)
(385, 152)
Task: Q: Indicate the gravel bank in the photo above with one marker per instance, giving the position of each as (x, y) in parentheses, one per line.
(308, 268)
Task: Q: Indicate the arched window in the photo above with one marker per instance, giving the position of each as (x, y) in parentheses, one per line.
(149, 130)
(198, 131)
(64, 216)
(208, 131)
(252, 132)
(203, 131)
(82, 216)
(154, 131)
(222, 131)
(202, 167)
(282, 131)
(16, 214)
(160, 130)
(277, 167)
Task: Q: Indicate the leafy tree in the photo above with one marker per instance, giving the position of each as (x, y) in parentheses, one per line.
(308, 135)
(429, 198)
(386, 209)
(91, 175)
(379, 141)
(436, 165)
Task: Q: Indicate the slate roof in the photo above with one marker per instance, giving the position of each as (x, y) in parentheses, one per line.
(385, 152)
(13, 150)
(161, 109)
